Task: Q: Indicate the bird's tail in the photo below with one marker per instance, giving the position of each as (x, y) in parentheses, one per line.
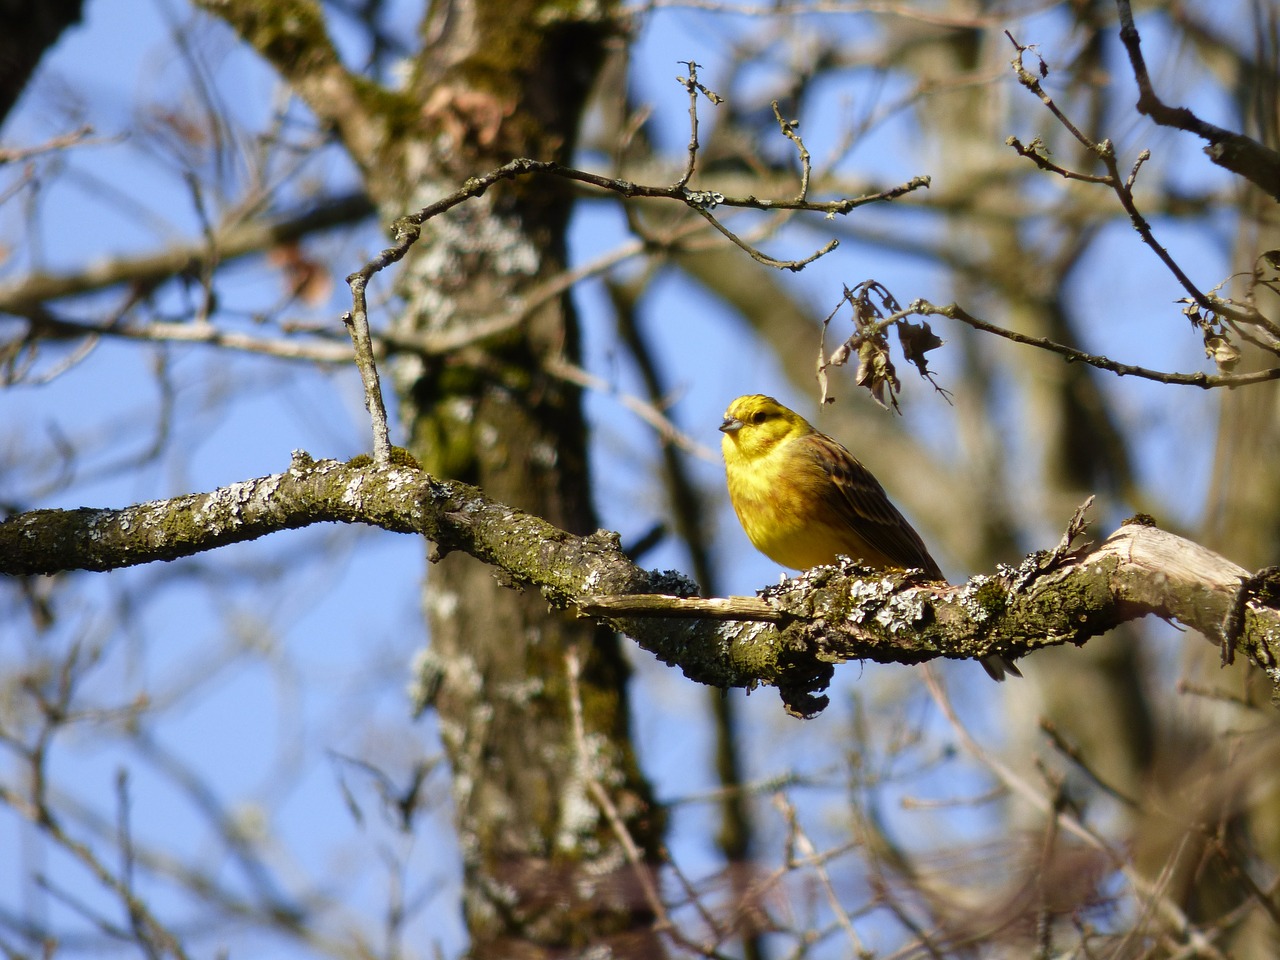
(998, 667)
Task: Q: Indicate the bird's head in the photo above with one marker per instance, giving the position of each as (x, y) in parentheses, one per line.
(754, 425)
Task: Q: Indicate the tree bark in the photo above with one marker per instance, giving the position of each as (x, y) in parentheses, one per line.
(546, 871)
(790, 637)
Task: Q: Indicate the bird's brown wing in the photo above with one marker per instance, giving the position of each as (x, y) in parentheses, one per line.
(856, 497)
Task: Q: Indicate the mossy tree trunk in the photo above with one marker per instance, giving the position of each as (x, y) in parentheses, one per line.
(543, 870)
(545, 874)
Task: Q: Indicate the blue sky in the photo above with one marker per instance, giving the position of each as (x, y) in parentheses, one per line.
(289, 679)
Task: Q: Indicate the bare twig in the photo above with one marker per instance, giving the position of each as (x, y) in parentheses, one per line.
(640, 867)
(799, 840)
(76, 138)
(586, 764)
(357, 321)
(148, 931)
(1151, 893)
(1233, 151)
(1074, 754)
(759, 255)
(788, 128)
(1034, 151)
(46, 325)
(520, 167)
(1072, 355)
(232, 241)
(408, 229)
(646, 411)
(322, 349)
(888, 8)
(1122, 186)
(691, 84)
(681, 608)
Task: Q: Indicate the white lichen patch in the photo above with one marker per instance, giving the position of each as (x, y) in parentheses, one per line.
(1018, 577)
(592, 582)
(901, 615)
(579, 818)
(352, 490)
(602, 768)
(976, 610)
(522, 692)
(400, 479)
(513, 252)
(441, 604)
(543, 455)
(579, 825)
(866, 596)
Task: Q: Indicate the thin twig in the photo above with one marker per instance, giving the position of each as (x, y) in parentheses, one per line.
(357, 322)
(1205, 381)
(78, 137)
(799, 840)
(691, 84)
(1034, 151)
(1151, 892)
(1233, 151)
(37, 812)
(573, 668)
(1074, 754)
(681, 608)
(646, 411)
(235, 240)
(408, 229)
(788, 128)
(1122, 186)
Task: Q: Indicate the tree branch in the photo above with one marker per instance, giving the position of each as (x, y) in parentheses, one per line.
(25, 297)
(1241, 155)
(790, 637)
(1122, 187)
(1206, 381)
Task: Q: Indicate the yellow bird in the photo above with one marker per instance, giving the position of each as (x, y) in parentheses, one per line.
(803, 499)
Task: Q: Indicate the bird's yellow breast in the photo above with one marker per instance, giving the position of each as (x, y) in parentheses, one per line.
(784, 517)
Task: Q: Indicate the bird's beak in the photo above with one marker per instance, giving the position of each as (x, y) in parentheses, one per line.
(731, 424)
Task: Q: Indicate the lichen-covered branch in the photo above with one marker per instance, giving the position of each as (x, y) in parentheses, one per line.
(805, 625)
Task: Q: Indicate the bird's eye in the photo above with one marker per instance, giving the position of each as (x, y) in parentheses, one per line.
(760, 416)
